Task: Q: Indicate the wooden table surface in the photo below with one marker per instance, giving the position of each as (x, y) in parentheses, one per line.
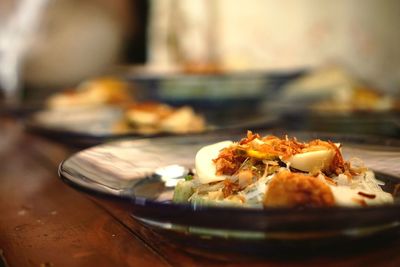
(44, 222)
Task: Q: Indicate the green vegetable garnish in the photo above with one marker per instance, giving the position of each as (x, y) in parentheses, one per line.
(188, 177)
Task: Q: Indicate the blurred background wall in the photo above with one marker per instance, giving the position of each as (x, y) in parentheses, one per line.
(361, 35)
(59, 43)
(78, 39)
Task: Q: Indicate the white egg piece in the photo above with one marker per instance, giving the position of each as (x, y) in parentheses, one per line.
(311, 161)
(205, 166)
(349, 195)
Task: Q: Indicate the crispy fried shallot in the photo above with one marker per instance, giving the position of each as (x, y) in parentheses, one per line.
(270, 147)
(363, 194)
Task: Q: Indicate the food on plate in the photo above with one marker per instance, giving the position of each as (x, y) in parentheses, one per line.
(97, 92)
(154, 117)
(359, 98)
(332, 88)
(297, 189)
(108, 106)
(279, 172)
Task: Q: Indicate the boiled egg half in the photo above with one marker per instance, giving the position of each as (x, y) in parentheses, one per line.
(205, 166)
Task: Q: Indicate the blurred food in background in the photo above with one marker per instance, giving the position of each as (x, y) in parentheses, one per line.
(97, 92)
(230, 61)
(108, 105)
(333, 89)
(153, 118)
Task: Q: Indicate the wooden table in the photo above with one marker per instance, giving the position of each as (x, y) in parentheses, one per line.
(44, 222)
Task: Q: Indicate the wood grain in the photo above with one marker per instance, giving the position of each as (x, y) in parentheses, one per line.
(44, 222)
(182, 253)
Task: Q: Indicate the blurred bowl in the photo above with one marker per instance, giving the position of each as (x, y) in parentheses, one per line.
(235, 90)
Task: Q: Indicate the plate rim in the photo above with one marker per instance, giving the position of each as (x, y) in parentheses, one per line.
(137, 204)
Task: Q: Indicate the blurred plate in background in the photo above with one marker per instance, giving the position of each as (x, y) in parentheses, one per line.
(91, 126)
(226, 101)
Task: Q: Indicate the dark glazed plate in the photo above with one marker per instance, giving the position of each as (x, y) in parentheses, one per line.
(142, 173)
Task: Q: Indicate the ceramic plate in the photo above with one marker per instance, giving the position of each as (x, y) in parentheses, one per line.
(144, 172)
(91, 126)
